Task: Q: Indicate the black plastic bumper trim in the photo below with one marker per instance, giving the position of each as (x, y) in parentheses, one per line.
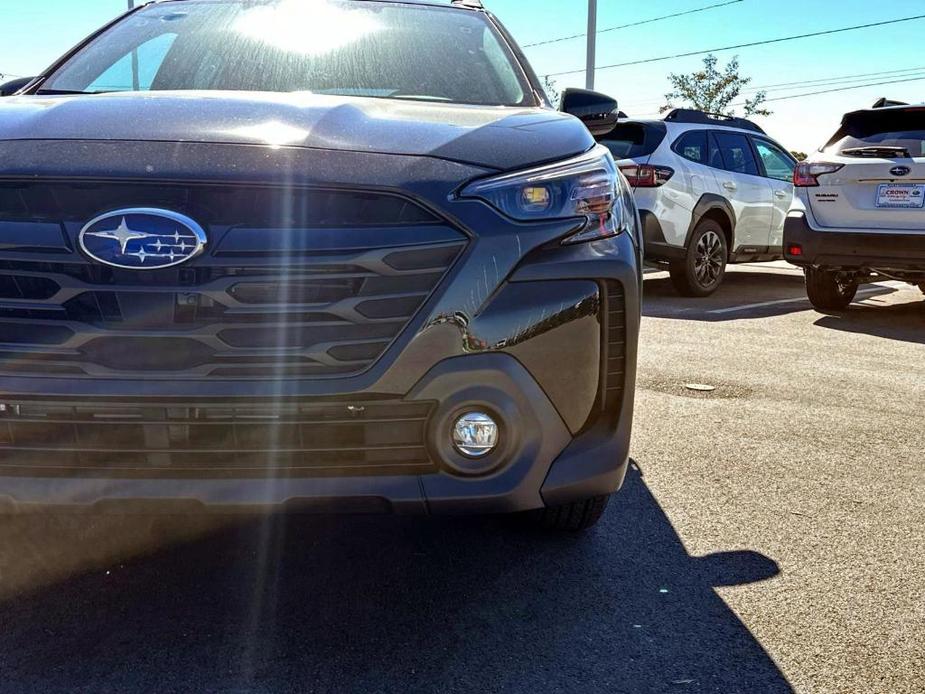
(853, 249)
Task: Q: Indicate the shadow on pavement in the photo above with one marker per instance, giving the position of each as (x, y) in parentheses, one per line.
(389, 604)
(904, 322)
(743, 294)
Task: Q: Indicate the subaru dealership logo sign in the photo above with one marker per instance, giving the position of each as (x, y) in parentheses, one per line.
(142, 239)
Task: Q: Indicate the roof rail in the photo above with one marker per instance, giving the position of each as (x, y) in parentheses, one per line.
(883, 102)
(471, 4)
(689, 115)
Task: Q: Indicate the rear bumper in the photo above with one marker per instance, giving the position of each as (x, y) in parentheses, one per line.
(656, 247)
(852, 249)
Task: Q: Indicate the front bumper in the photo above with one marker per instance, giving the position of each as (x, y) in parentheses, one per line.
(513, 309)
(539, 462)
(536, 440)
(852, 249)
(566, 431)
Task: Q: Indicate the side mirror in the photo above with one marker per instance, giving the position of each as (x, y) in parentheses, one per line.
(13, 86)
(597, 111)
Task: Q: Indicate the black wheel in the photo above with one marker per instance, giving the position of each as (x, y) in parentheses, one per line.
(702, 271)
(830, 290)
(573, 517)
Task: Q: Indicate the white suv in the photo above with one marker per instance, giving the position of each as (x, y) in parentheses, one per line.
(859, 210)
(711, 190)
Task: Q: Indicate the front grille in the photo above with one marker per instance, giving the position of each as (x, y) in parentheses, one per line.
(297, 283)
(376, 437)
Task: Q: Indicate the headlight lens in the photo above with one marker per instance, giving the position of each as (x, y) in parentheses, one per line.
(587, 186)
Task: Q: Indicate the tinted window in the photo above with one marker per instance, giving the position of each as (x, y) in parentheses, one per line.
(736, 153)
(631, 140)
(327, 46)
(694, 145)
(904, 128)
(777, 164)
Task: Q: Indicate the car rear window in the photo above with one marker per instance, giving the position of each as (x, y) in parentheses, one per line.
(631, 140)
(889, 129)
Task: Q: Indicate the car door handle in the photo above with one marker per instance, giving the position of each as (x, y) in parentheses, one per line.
(729, 185)
(781, 195)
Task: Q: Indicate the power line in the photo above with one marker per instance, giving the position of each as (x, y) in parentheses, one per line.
(790, 86)
(634, 24)
(839, 77)
(841, 89)
(804, 94)
(746, 45)
(832, 83)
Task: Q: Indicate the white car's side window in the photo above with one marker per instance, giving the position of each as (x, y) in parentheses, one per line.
(694, 146)
(777, 165)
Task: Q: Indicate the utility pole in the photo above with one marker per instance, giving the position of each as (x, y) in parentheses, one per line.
(592, 44)
(135, 76)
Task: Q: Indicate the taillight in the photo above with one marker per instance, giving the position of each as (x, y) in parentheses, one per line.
(806, 174)
(645, 176)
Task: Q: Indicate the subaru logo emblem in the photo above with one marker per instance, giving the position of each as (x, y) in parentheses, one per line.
(142, 239)
(900, 170)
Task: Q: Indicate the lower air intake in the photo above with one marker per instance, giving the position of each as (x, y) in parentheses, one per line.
(377, 437)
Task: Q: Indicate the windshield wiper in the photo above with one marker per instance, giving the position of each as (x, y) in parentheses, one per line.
(878, 151)
(421, 97)
(60, 92)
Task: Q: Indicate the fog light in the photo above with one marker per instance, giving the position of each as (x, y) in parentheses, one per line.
(475, 434)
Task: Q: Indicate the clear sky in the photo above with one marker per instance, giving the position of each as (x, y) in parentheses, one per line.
(34, 32)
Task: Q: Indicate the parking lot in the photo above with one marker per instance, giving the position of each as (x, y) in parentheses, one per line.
(768, 538)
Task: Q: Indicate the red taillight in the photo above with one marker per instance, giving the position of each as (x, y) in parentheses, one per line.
(645, 176)
(794, 249)
(806, 174)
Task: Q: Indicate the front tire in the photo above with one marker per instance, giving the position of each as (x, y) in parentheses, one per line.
(702, 270)
(829, 290)
(573, 517)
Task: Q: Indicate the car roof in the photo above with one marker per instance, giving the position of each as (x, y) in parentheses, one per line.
(676, 126)
(460, 4)
(888, 109)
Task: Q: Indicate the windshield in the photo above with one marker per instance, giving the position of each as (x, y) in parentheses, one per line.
(874, 133)
(322, 46)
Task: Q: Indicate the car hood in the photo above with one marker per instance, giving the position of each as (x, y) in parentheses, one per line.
(501, 138)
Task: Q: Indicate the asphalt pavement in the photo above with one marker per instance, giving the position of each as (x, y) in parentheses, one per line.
(769, 538)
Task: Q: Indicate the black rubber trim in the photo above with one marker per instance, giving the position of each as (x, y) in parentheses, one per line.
(656, 247)
(707, 203)
(852, 249)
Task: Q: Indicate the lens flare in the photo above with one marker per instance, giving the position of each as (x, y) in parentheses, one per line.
(309, 27)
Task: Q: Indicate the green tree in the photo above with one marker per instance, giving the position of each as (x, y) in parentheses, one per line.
(713, 90)
(799, 156)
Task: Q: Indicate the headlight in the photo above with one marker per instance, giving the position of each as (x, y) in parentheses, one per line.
(587, 186)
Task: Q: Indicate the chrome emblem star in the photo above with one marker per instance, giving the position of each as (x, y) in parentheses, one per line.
(122, 234)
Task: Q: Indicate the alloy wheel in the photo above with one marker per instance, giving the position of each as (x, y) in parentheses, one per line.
(708, 260)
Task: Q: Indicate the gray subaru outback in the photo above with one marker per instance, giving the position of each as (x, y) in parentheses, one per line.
(285, 256)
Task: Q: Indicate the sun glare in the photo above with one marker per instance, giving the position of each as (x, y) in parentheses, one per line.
(310, 27)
